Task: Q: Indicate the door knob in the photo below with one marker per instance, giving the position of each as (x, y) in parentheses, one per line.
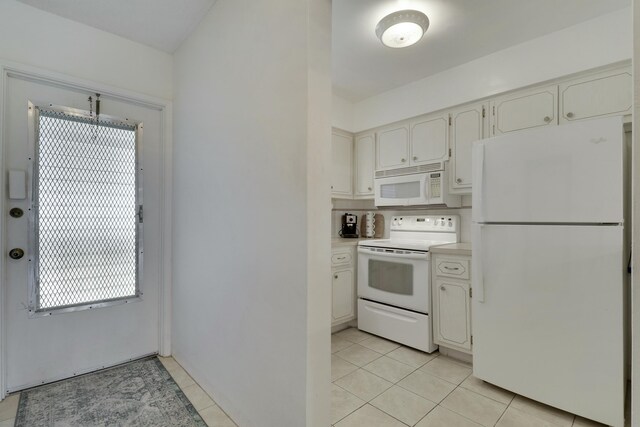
(16, 253)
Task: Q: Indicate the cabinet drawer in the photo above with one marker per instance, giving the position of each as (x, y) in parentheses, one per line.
(341, 258)
(452, 267)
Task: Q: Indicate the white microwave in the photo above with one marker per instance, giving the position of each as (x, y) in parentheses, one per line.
(418, 189)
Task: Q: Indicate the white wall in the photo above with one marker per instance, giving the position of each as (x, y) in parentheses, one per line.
(598, 42)
(252, 138)
(342, 113)
(33, 37)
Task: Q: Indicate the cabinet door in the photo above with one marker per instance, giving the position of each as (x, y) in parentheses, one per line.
(599, 95)
(453, 317)
(343, 296)
(365, 148)
(429, 140)
(341, 165)
(525, 110)
(393, 147)
(467, 126)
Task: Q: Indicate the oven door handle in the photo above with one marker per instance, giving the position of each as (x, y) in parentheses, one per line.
(393, 254)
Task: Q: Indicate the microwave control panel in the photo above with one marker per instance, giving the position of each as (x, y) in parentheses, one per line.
(435, 185)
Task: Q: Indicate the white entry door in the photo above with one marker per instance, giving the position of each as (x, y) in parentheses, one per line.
(80, 298)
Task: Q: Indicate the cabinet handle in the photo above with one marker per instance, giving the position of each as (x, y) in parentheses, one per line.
(335, 276)
(569, 114)
(547, 119)
(403, 160)
(341, 257)
(451, 268)
(459, 180)
(442, 288)
(415, 157)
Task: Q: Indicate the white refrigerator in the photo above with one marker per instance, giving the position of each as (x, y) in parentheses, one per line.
(549, 266)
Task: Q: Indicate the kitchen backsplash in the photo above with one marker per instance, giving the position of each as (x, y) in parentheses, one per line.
(359, 207)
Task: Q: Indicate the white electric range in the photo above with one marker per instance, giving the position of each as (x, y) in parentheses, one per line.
(394, 279)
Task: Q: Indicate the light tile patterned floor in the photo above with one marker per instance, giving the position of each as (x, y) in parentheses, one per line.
(378, 383)
(206, 407)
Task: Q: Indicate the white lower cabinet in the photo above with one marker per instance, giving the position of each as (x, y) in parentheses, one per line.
(451, 293)
(343, 285)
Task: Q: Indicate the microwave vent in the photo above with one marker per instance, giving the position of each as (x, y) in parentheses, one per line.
(430, 167)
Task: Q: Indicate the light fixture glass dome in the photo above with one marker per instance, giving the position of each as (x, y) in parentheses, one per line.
(402, 28)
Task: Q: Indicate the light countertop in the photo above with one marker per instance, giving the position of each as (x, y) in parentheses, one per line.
(341, 241)
(462, 248)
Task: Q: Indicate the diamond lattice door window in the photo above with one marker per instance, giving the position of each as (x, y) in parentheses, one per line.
(86, 225)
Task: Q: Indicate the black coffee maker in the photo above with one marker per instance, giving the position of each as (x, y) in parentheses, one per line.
(349, 225)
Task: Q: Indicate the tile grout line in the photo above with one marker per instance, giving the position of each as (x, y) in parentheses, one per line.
(457, 386)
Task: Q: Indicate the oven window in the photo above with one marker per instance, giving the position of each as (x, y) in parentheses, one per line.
(392, 277)
(403, 190)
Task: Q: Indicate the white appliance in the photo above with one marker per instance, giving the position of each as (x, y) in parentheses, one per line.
(549, 266)
(414, 189)
(394, 280)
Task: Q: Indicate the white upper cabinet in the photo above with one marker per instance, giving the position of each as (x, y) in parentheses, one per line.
(341, 165)
(393, 147)
(468, 124)
(524, 110)
(429, 137)
(365, 149)
(598, 95)
(413, 143)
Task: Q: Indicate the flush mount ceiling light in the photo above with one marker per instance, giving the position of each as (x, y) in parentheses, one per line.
(402, 28)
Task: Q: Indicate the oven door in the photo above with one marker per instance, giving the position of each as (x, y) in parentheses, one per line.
(395, 277)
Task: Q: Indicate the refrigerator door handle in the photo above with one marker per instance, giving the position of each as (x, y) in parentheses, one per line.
(476, 262)
(478, 181)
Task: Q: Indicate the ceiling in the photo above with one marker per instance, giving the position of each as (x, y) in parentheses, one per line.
(162, 24)
(459, 31)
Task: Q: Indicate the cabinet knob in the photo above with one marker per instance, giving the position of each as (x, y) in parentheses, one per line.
(335, 276)
(369, 188)
(403, 160)
(415, 157)
(442, 288)
(569, 114)
(547, 119)
(332, 187)
(459, 180)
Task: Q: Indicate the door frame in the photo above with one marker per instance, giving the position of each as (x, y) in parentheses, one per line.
(11, 69)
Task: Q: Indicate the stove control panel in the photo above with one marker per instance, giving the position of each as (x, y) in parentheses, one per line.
(443, 223)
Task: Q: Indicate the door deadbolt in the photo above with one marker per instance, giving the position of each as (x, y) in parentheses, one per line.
(16, 253)
(16, 212)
